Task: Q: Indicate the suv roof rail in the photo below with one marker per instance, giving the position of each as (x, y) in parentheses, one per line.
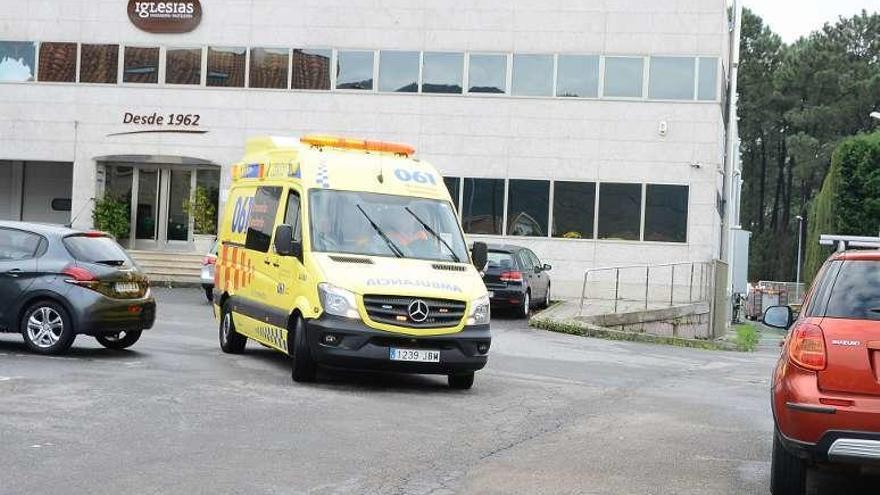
(844, 242)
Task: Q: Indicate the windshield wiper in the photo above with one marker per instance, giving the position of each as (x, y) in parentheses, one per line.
(110, 262)
(394, 249)
(433, 233)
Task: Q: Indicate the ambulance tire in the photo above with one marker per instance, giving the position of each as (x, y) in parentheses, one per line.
(302, 366)
(461, 381)
(231, 342)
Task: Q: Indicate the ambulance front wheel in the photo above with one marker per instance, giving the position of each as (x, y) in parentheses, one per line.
(301, 363)
(231, 341)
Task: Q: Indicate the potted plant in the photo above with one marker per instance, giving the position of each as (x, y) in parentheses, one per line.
(113, 215)
(204, 214)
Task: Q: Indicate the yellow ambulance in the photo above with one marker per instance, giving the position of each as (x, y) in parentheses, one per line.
(348, 253)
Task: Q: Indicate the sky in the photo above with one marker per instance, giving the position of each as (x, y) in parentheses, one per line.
(792, 19)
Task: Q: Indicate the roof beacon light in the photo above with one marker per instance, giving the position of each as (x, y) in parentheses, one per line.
(357, 144)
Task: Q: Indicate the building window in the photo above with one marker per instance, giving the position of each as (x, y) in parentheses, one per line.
(57, 62)
(226, 67)
(398, 71)
(482, 208)
(311, 69)
(707, 86)
(671, 78)
(577, 76)
(442, 72)
(623, 76)
(355, 70)
(487, 74)
(532, 75)
(269, 68)
(99, 64)
(574, 204)
(528, 206)
(452, 185)
(183, 66)
(141, 65)
(620, 210)
(17, 61)
(666, 213)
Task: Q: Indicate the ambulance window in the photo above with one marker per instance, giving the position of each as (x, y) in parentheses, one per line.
(226, 67)
(292, 215)
(355, 70)
(398, 71)
(442, 72)
(261, 221)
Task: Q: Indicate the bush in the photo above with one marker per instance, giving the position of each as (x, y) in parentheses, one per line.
(202, 211)
(746, 338)
(849, 202)
(112, 215)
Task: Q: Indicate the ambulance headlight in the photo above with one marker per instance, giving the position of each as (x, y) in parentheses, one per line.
(338, 301)
(480, 312)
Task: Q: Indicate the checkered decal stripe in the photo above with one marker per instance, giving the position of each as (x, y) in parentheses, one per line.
(234, 268)
(323, 176)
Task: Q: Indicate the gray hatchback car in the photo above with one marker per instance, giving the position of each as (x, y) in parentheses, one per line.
(57, 283)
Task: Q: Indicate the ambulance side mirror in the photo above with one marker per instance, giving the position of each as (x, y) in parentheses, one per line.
(284, 243)
(480, 255)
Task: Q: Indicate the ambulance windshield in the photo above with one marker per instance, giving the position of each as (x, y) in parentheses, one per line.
(373, 224)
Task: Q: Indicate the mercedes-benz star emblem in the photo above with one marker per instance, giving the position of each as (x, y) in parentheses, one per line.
(418, 311)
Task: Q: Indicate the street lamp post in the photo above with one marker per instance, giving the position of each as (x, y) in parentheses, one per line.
(800, 220)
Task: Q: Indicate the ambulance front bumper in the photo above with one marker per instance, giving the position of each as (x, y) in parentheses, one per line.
(347, 343)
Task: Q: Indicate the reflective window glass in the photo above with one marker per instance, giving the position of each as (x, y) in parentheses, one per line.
(398, 71)
(528, 206)
(442, 72)
(620, 209)
(99, 64)
(354, 70)
(311, 69)
(452, 184)
(577, 76)
(666, 213)
(140, 65)
(226, 67)
(183, 66)
(269, 68)
(17, 60)
(532, 75)
(671, 78)
(487, 74)
(573, 207)
(261, 220)
(707, 87)
(623, 76)
(57, 62)
(482, 209)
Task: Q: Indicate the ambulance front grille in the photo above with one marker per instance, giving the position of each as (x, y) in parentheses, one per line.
(395, 310)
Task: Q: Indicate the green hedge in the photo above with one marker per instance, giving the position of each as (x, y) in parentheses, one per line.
(849, 202)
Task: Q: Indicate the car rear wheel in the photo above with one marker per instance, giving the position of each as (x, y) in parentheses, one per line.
(47, 328)
(788, 473)
(302, 366)
(119, 341)
(231, 342)
(461, 381)
(526, 306)
(209, 294)
(546, 303)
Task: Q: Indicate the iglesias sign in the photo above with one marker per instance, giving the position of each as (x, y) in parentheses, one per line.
(174, 16)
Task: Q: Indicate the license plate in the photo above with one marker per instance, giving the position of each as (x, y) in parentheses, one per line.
(415, 355)
(127, 287)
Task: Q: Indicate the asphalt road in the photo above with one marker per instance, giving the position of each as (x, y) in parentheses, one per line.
(550, 414)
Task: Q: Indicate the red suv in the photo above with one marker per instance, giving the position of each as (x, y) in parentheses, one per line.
(826, 386)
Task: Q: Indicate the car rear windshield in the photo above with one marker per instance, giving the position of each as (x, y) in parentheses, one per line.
(856, 292)
(501, 261)
(101, 250)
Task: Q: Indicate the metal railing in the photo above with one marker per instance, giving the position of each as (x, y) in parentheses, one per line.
(665, 283)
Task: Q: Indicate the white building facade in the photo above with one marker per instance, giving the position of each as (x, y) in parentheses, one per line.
(592, 132)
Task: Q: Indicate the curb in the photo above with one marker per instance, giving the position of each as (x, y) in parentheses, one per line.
(586, 330)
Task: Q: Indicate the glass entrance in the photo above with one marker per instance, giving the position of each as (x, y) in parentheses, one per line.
(146, 226)
(179, 183)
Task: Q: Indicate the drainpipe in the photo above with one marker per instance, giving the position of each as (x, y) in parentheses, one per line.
(727, 222)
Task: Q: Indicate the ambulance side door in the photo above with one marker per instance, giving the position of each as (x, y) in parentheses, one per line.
(291, 274)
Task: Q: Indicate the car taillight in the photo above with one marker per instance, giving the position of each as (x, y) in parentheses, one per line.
(79, 275)
(209, 260)
(807, 348)
(511, 277)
